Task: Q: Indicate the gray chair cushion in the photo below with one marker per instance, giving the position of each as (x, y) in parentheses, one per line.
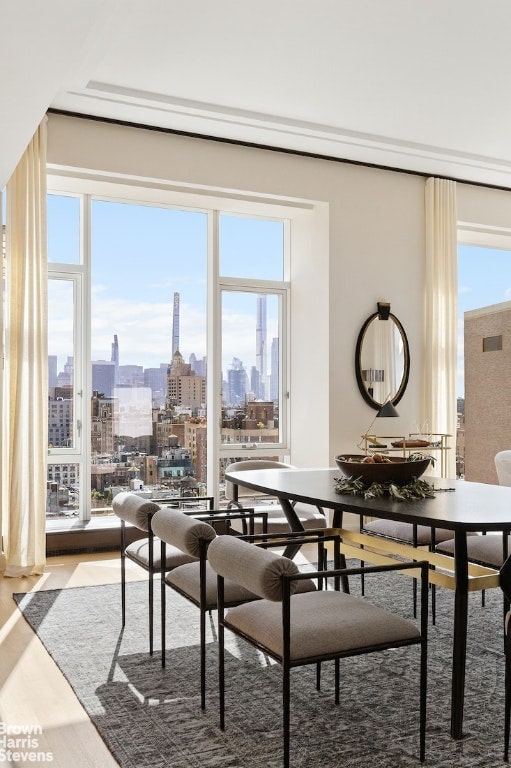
(393, 529)
(322, 623)
(481, 549)
(186, 580)
(182, 531)
(139, 552)
(134, 509)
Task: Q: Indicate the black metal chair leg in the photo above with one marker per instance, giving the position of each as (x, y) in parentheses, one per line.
(163, 600)
(507, 704)
(123, 573)
(151, 590)
(286, 695)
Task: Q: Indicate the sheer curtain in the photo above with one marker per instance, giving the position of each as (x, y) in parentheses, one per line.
(441, 311)
(23, 464)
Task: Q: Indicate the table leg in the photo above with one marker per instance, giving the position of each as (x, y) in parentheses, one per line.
(460, 633)
(294, 523)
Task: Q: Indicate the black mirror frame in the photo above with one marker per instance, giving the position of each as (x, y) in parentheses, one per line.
(358, 368)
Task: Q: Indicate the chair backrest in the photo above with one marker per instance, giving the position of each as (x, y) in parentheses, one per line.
(233, 492)
(182, 531)
(503, 467)
(256, 569)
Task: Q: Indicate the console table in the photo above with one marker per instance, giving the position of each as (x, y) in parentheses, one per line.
(405, 445)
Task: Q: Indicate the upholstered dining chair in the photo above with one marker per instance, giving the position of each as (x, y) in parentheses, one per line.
(311, 517)
(505, 584)
(137, 511)
(503, 467)
(417, 536)
(298, 629)
(489, 549)
(195, 581)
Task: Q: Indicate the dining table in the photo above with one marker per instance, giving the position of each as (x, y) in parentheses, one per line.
(462, 506)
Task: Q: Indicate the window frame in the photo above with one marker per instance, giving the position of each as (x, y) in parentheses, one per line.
(214, 206)
(477, 236)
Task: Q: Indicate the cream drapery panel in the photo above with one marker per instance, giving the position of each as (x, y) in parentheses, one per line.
(23, 465)
(441, 311)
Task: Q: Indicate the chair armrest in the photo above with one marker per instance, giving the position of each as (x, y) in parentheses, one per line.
(225, 515)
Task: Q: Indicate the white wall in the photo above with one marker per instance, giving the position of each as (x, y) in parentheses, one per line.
(358, 238)
(483, 206)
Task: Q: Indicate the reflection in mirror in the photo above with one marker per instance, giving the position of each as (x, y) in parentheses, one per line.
(382, 359)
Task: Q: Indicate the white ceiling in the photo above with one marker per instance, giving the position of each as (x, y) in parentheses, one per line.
(421, 85)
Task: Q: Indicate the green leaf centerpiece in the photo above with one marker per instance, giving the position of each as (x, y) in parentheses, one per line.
(354, 484)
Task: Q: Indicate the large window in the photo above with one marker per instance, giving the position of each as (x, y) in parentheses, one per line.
(139, 294)
(484, 352)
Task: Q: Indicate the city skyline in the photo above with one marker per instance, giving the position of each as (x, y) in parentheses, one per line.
(264, 367)
(141, 256)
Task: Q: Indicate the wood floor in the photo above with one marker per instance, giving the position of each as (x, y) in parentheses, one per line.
(33, 692)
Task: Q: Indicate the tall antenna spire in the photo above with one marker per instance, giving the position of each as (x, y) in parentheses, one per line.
(175, 325)
(261, 351)
(115, 358)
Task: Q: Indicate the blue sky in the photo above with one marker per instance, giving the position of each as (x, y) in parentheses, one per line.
(141, 256)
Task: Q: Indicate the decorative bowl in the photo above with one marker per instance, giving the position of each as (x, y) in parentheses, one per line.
(395, 469)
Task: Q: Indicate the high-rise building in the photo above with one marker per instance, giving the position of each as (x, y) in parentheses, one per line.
(131, 375)
(237, 383)
(156, 380)
(487, 396)
(115, 357)
(175, 325)
(103, 377)
(102, 425)
(60, 423)
(261, 364)
(184, 388)
(274, 375)
(199, 367)
(186, 391)
(66, 377)
(255, 382)
(52, 370)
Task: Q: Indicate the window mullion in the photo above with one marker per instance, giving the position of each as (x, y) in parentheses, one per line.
(214, 385)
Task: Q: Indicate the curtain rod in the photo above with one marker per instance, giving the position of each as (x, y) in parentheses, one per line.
(270, 148)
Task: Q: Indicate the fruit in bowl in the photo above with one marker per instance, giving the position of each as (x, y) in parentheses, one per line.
(381, 468)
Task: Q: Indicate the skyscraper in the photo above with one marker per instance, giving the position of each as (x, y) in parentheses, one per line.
(52, 370)
(274, 376)
(237, 381)
(103, 373)
(115, 358)
(261, 346)
(175, 325)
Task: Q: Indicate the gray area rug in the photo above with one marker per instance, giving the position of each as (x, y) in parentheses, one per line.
(150, 717)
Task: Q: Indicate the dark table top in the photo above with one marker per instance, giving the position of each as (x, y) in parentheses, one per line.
(470, 506)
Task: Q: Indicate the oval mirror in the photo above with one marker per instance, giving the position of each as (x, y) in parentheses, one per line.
(382, 358)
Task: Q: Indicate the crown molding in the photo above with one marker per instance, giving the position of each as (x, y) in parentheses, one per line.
(188, 116)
